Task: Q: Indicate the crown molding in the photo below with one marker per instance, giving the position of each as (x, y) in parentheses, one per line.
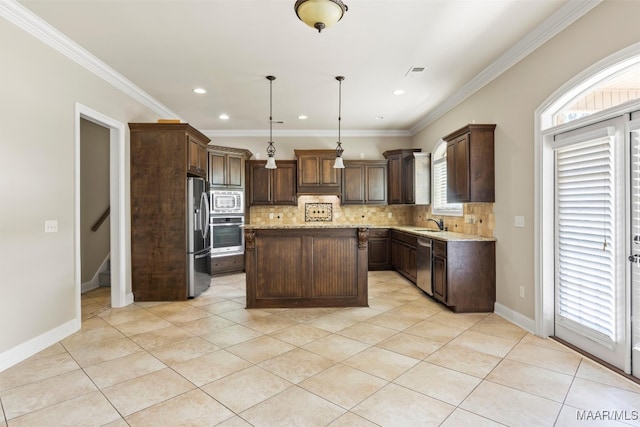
(216, 133)
(565, 16)
(22, 17)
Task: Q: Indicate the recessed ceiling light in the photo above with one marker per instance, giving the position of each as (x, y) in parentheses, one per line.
(379, 117)
(398, 92)
(223, 116)
(199, 90)
(302, 117)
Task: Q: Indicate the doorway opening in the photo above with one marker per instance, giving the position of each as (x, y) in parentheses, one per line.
(120, 276)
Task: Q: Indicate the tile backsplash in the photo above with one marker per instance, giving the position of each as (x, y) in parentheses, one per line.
(378, 215)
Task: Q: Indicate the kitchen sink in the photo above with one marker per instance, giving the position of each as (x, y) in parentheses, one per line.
(431, 230)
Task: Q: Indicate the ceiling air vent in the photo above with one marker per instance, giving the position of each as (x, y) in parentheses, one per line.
(413, 71)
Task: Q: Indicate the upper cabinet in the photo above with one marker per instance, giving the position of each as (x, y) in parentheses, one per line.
(364, 182)
(226, 166)
(470, 164)
(156, 137)
(271, 186)
(409, 176)
(316, 174)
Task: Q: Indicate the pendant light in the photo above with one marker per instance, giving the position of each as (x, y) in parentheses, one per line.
(271, 150)
(320, 14)
(339, 164)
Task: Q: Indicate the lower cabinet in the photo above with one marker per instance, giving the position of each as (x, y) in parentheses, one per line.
(379, 249)
(464, 275)
(404, 254)
(227, 265)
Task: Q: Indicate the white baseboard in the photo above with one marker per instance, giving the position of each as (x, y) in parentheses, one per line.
(87, 286)
(27, 349)
(514, 317)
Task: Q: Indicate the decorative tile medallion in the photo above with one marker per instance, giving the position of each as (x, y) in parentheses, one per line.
(315, 212)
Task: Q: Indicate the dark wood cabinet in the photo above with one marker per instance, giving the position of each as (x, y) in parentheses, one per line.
(401, 177)
(316, 174)
(160, 163)
(404, 254)
(471, 164)
(464, 275)
(306, 267)
(271, 186)
(379, 249)
(227, 166)
(227, 264)
(196, 154)
(364, 182)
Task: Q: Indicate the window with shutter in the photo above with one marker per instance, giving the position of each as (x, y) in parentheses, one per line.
(439, 205)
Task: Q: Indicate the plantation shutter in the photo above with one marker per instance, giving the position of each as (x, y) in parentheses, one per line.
(439, 167)
(585, 221)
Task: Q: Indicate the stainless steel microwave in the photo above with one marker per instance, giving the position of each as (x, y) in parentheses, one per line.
(225, 202)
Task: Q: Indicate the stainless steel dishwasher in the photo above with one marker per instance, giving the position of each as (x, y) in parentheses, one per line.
(423, 279)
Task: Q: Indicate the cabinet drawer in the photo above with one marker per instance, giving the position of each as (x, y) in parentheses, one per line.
(379, 233)
(439, 248)
(407, 238)
(227, 264)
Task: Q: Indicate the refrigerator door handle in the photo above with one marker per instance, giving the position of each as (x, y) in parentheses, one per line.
(204, 215)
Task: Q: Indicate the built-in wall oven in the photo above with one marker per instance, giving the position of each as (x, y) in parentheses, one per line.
(227, 219)
(227, 235)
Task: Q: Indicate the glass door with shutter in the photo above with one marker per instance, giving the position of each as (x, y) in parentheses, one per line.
(634, 257)
(590, 203)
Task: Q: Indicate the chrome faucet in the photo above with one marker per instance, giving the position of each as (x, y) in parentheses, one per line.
(439, 223)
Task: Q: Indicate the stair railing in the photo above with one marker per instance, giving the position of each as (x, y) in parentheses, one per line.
(102, 218)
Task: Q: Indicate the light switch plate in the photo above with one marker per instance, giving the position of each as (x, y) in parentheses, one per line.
(518, 221)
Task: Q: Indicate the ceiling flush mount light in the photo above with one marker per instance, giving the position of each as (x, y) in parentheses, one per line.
(320, 14)
(339, 164)
(271, 150)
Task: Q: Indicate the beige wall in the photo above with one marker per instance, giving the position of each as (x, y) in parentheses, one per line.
(371, 147)
(510, 101)
(94, 196)
(39, 90)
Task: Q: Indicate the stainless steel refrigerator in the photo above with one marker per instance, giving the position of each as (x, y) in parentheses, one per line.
(198, 242)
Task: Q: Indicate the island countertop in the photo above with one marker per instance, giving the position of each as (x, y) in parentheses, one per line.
(446, 236)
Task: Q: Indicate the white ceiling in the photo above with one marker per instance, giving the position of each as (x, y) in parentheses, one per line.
(168, 48)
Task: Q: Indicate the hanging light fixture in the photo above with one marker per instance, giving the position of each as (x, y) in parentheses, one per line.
(320, 14)
(271, 150)
(339, 164)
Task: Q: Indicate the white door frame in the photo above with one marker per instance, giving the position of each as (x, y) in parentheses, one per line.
(543, 168)
(120, 279)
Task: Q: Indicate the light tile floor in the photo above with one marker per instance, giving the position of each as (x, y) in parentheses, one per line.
(404, 361)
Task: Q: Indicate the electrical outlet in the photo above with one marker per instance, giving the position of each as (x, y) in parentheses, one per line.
(521, 291)
(51, 226)
(470, 219)
(389, 214)
(362, 155)
(271, 216)
(518, 221)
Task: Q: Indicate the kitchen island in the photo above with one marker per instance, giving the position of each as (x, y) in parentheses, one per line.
(306, 265)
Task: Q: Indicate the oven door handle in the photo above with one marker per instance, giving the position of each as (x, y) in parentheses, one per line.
(237, 224)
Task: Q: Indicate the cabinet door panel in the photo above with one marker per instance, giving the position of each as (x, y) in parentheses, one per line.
(353, 189)
(395, 180)
(260, 185)
(376, 179)
(310, 175)
(235, 170)
(284, 185)
(440, 278)
(217, 169)
(462, 168)
(329, 173)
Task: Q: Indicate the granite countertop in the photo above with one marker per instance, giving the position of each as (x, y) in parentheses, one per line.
(302, 226)
(418, 231)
